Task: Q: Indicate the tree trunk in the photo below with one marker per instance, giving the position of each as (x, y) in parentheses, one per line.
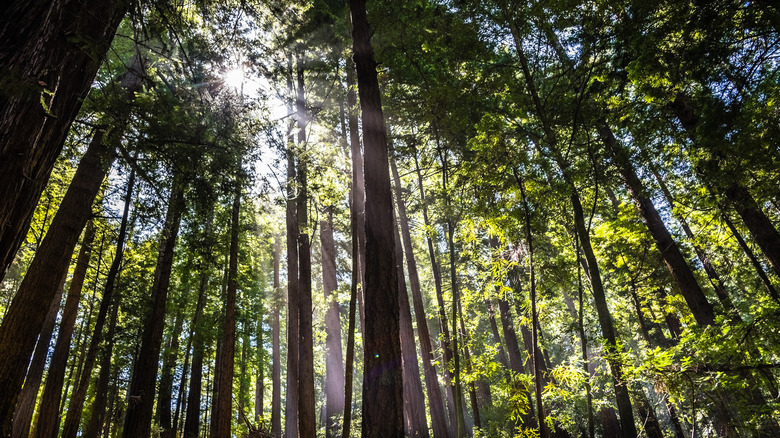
(223, 397)
(182, 385)
(165, 392)
(50, 55)
(334, 359)
(415, 420)
(291, 406)
(467, 358)
(751, 256)
(98, 417)
(357, 230)
(192, 421)
(678, 267)
(138, 419)
(515, 359)
(260, 377)
(276, 370)
(438, 417)
(544, 431)
(25, 316)
(759, 225)
(307, 417)
(605, 318)
(382, 381)
(59, 359)
(717, 283)
(32, 383)
(446, 345)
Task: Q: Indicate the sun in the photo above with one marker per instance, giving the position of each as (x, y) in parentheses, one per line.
(234, 78)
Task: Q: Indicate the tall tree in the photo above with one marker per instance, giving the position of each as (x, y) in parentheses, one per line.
(334, 359)
(436, 405)
(138, 420)
(382, 382)
(223, 397)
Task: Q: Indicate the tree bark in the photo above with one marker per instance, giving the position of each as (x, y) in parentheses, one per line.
(51, 53)
(446, 345)
(192, 421)
(357, 230)
(752, 257)
(293, 332)
(24, 411)
(415, 420)
(223, 396)
(165, 392)
(276, 370)
(138, 419)
(382, 381)
(25, 316)
(50, 400)
(307, 417)
(436, 404)
(334, 358)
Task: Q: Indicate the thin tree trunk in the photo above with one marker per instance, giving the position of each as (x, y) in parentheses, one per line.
(584, 341)
(756, 221)
(40, 63)
(501, 353)
(307, 416)
(98, 417)
(382, 381)
(751, 256)
(182, 384)
(675, 262)
(443, 328)
(276, 370)
(534, 351)
(436, 404)
(415, 420)
(223, 397)
(467, 358)
(260, 377)
(32, 383)
(192, 421)
(717, 283)
(334, 358)
(138, 419)
(458, 388)
(25, 316)
(165, 392)
(357, 230)
(293, 332)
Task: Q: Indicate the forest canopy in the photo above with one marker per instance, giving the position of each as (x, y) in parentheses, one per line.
(422, 218)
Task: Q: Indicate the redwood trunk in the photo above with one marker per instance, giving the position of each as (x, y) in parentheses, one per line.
(50, 400)
(334, 359)
(51, 53)
(415, 419)
(24, 411)
(276, 370)
(223, 395)
(382, 382)
(138, 419)
(24, 318)
(446, 345)
(291, 405)
(307, 424)
(357, 230)
(165, 394)
(192, 420)
(436, 404)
